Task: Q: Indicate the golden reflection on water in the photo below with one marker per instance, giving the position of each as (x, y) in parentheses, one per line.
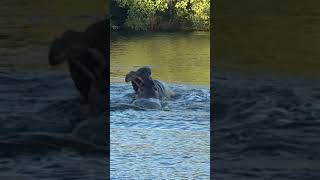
(174, 57)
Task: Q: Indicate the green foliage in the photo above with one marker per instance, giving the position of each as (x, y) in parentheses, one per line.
(146, 14)
(195, 11)
(140, 11)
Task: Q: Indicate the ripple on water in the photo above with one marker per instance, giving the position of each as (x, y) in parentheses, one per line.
(166, 144)
(260, 122)
(38, 113)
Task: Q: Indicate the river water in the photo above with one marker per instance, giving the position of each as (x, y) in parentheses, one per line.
(42, 129)
(274, 37)
(174, 57)
(266, 89)
(172, 143)
(266, 96)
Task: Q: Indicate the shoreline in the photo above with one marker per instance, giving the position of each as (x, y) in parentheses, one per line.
(143, 33)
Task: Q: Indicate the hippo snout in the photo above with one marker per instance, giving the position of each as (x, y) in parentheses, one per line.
(149, 103)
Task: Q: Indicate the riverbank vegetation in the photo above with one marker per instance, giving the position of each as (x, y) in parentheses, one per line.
(160, 15)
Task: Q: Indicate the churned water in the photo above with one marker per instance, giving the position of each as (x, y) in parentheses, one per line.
(43, 133)
(42, 130)
(172, 143)
(266, 96)
(265, 128)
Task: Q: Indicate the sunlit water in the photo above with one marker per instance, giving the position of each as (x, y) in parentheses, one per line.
(174, 57)
(161, 144)
(171, 143)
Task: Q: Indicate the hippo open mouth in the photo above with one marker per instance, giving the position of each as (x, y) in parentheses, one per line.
(135, 79)
(149, 92)
(143, 83)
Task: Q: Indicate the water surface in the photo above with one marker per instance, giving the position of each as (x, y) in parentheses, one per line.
(28, 27)
(266, 89)
(39, 105)
(268, 36)
(174, 57)
(171, 143)
(161, 144)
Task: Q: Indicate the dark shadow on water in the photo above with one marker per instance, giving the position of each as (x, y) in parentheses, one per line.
(263, 119)
(41, 115)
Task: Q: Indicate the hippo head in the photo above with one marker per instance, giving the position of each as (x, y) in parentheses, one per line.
(147, 93)
(143, 83)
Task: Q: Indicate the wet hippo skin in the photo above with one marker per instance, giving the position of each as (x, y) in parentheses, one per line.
(149, 92)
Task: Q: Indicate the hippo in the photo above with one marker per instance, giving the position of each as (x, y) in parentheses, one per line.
(87, 54)
(149, 92)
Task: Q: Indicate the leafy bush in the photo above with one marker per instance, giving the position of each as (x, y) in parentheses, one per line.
(154, 14)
